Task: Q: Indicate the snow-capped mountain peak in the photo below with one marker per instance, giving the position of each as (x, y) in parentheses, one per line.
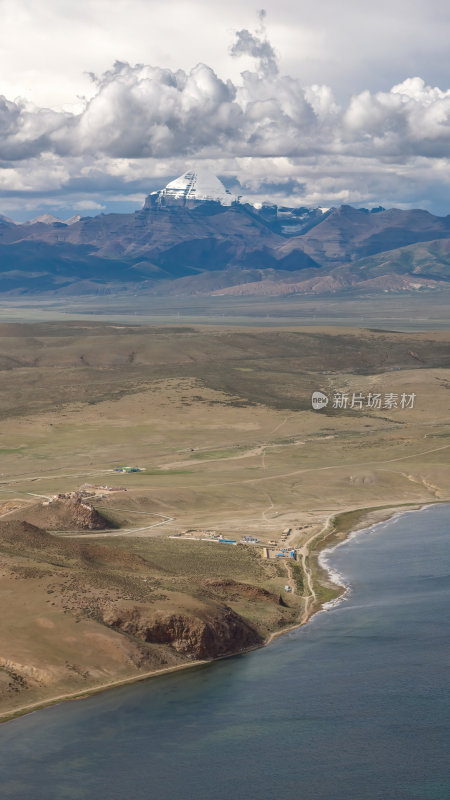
(49, 219)
(46, 219)
(197, 185)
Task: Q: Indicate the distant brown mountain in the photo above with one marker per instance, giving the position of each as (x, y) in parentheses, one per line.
(350, 233)
(180, 243)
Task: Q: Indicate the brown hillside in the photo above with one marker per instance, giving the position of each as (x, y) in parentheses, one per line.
(64, 515)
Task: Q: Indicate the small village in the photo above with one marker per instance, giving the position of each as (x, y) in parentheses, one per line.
(270, 550)
(284, 549)
(87, 492)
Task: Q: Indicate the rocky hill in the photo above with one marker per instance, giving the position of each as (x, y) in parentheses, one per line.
(63, 513)
(81, 615)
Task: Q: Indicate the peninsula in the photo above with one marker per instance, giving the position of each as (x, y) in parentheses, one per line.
(166, 490)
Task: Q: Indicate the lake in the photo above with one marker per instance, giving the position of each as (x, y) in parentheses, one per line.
(354, 706)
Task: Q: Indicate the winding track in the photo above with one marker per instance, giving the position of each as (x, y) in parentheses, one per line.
(311, 598)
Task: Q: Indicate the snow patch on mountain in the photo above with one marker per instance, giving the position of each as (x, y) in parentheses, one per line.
(46, 219)
(197, 185)
(49, 219)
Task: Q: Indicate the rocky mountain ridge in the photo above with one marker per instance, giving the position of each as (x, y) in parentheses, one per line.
(194, 237)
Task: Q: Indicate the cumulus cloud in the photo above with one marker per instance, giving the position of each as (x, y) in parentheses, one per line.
(412, 118)
(257, 46)
(142, 111)
(143, 118)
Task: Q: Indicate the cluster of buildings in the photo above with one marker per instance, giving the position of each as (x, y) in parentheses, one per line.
(86, 492)
(91, 489)
(284, 553)
(194, 535)
(74, 496)
(212, 536)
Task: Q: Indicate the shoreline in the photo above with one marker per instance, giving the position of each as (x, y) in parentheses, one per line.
(372, 515)
(338, 579)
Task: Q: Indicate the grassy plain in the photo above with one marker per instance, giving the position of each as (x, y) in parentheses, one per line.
(406, 310)
(220, 420)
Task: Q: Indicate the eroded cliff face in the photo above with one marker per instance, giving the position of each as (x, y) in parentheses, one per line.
(206, 632)
(85, 516)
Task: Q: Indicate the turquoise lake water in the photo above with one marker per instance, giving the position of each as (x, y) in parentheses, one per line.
(354, 706)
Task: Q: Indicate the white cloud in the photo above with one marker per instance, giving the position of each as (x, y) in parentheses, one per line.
(142, 111)
(141, 123)
(47, 47)
(88, 205)
(256, 45)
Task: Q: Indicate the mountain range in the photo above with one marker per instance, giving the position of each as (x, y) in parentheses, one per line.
(195, 237)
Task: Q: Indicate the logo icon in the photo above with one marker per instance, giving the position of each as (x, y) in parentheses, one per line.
(319, 400)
